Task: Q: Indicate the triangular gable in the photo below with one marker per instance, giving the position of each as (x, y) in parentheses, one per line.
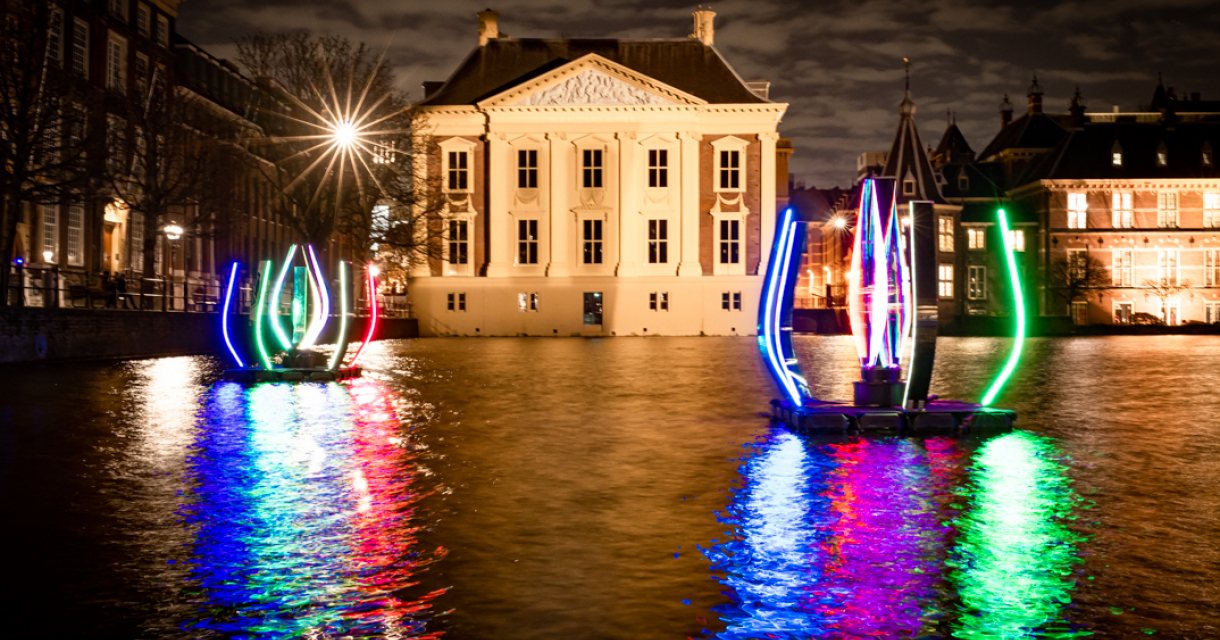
(591, 80)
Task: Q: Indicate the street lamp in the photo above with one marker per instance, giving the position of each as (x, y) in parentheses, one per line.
(172, 232)
(344, 133)
(839, 222)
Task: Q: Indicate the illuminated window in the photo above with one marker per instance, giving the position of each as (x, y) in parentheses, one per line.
(1206, 155)
(137, 238)
(1078, 264)
(143, 19)
(1211, 312)
(591, 169)
(730, 170)
(1162, 156)
(55, 35)
(1077, 210)
(730, 241)
(1122, 268)
(944, 278)
(527, 301)
(1211, 267)
(658, 241)
(1016, 237)
(1167, 262)
(527, 168)
(118, 9)
(1211, 209)
(50, 231)
(908, 186)
(534, 301)
(1167, 209)
(1123, 312)
(456, 302)
(1116, 155)
(592, 241)
(1122, 213)
(80, 48)
(76, 234)
(658, 301)
(459, 241)
(116, 63)
(976, 238)
(385, 152)
(527, 242)
(944, 234)
(658, 168)
(976, 283)
(459, 171)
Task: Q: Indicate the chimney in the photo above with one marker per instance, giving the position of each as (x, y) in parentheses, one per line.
(1077, 108)
(489, 26)
(705, 28)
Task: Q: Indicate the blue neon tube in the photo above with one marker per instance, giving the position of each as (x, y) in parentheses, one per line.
(224, 315)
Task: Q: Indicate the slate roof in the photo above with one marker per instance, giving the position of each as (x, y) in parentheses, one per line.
(908, 158)
(953, 146)
(1085, 154)
(1030, 131)
(686, 64)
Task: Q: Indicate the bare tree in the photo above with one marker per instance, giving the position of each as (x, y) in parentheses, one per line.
(1163, 290)
(1078, 274)
(42, 120)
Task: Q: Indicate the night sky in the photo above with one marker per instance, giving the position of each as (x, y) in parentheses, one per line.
(837, 63)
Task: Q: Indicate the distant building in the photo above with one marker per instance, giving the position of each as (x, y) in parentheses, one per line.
(598, 187)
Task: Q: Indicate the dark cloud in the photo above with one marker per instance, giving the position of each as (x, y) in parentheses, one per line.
(836, 62)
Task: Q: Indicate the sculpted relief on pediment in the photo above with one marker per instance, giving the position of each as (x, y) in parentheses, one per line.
(591, 87)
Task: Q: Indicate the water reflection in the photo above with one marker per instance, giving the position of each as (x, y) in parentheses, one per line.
(867, 538)
(304, 503)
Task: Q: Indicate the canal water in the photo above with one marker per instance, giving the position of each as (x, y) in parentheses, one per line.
(609, 488)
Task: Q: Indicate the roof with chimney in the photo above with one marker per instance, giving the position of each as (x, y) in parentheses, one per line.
(502, 63)
(908, 161)
(1087, 153)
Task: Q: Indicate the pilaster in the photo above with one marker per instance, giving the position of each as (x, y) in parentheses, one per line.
(561, 184)
(767, 189)
(688, 169)
(498, 238)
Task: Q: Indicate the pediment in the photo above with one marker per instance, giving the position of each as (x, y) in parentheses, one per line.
(591, 81)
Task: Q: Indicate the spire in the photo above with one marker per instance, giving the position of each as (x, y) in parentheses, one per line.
(1034, 94)
(1077, 107)
(907, 108)
(908, 161)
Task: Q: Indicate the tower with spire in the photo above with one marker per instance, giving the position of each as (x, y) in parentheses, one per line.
(908, 161)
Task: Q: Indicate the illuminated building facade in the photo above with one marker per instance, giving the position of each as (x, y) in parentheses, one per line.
(597, 187)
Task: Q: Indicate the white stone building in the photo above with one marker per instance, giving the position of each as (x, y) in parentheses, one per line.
(597, 187)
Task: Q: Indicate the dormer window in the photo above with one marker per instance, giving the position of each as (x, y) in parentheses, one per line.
(963, 182)
(1206, 158)
(908, 186)
(1116, 155)
(1162, 155)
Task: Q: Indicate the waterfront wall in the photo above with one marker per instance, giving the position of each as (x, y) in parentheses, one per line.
(33, 335)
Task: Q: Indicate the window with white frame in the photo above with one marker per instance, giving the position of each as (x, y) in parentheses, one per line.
(1123, 312)
(527, 241)
(80, 48)
(944, 280)
(55, 36)
(458, 240)
(658, 301)
(591, 241)
(658, 241)
(49, 214)
(976, 282)
(527, 301)
(591, 168)
(162, 35)
(1016, 238)
(730, 301)
(1077, 263)
(1211, 209)
(976, 238)
(1167, 209)
(457, 171)
(908, 186)
(143, 19)
(116, 63)
(730, 242)
(1167, 262)
(76, 235)
(658, 168)
(456, 301)
(1211, 267)
(729, 174)
(118, 9)
(527, 168)
(1122, 214)
(1122, 268)
(736, 301)
(944, 234)
(1211, 312)
(1077, 210)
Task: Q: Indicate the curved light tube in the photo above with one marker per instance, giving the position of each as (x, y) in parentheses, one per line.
(855, 286)
(341, 340)
(368, 336)
(1019, 306)
(320, 299)
(257, 310)
(224, 315)
(273, 303)
(910, 301)
(774, 287)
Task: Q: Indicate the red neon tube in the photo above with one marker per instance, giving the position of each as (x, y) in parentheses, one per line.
(368, 336)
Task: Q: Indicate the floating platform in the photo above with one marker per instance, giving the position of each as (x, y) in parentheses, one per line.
(251, 375)
(936, 417)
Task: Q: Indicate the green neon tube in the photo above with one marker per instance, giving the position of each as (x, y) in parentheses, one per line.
(257, 311)
(273, 302)
(1018, 300)
(341, 340)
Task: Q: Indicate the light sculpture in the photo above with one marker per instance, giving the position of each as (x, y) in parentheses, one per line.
(311, 311)
(892, 308)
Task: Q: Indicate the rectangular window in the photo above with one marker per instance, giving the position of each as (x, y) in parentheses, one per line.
(459, 241)
(1077, 263)
(725, 300)
(76, 234)
(977, 283)
(143, 20)
(1078, 210)
(527, 242)
(592, 243)
(1080, 313)
(658, 168)
(1211, 209)
(730, 170)
(50, 233)
(1123, 312)
(115, 152)
(944, 234)
(1211, 312)
(137, 239)
(141, 74)
(591, 169)
(736, 301)
(456, 302)
(459, 171)
(162, 35)
(976, 238)
(534, 301)
(1122, 216)
(944, 274)
(593, 307)
(658, 241)
(658, 301)
(1167, 209)
(118, 9)
(116, 63)
(55, 36)
(527, 169)
(1211, 267)
(1016, 238)
(730, 241)
(1167, 266)
(1122, 268)
(80, 48)
(652, 301)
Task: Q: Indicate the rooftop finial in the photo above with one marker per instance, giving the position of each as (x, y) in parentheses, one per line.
(906, 62)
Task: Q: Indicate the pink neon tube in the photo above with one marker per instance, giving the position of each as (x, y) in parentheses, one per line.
(368, 336)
